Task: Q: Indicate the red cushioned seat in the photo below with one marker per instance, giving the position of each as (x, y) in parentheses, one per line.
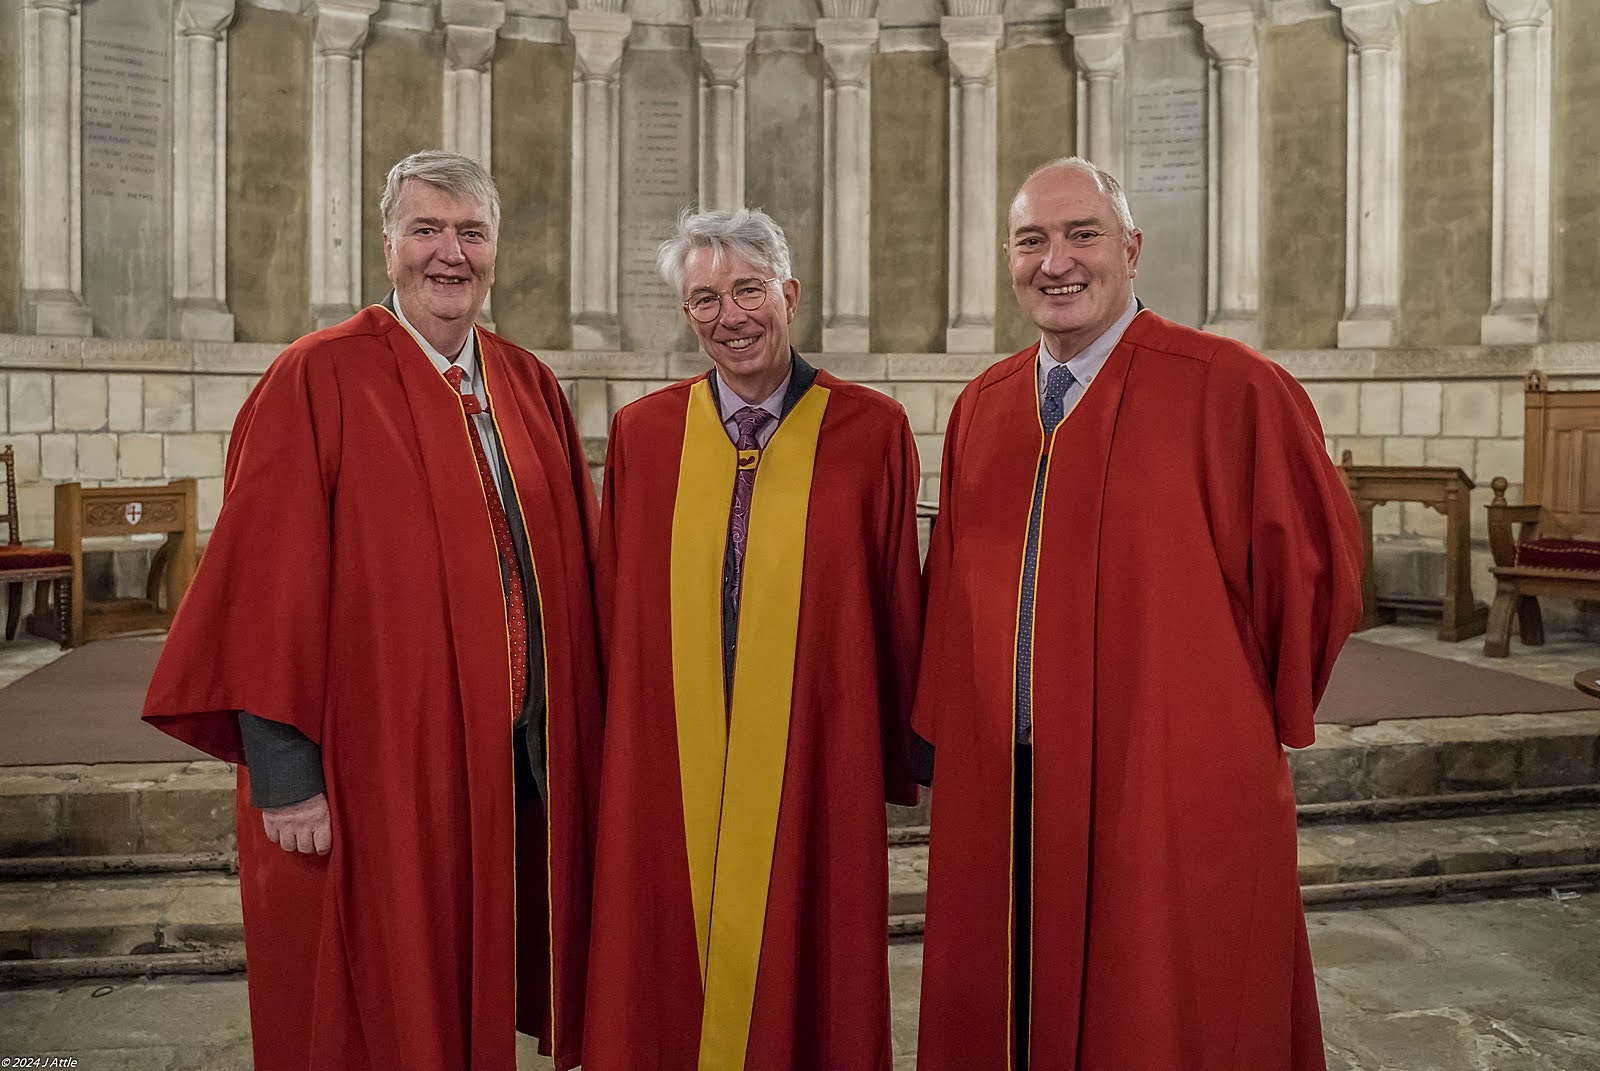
(1577, 554)
(20, 557)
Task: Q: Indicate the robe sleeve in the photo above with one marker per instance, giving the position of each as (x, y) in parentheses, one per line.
(252, 631)
(1286, 533)
(577, 461)
(943, 665)
(901, 618)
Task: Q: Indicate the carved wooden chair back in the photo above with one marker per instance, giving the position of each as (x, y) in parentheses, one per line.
(1561, 458)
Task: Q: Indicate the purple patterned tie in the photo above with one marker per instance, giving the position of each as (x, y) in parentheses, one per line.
(750, 420)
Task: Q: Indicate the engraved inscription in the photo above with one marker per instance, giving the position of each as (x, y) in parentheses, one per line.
(124, 108)
(1167, 138)
(658, 179)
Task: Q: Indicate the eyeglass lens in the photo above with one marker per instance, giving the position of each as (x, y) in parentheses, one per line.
(748, 296)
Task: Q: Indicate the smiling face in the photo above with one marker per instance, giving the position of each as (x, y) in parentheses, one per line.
(1072, 266)
(750, 347)
(441, 262)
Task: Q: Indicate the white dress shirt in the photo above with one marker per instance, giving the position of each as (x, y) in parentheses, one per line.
(471, 383)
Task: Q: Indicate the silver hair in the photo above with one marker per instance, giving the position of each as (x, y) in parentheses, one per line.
(749, 233)
(460, 176)
(1104, 179)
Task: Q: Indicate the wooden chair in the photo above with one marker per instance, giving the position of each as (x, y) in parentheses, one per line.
(20, 564)
(1557, 550)
(100, 512)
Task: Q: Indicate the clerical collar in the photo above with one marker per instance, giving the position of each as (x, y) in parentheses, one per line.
(1088, 362)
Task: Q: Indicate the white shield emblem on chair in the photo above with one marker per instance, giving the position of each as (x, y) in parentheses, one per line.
(132, 512)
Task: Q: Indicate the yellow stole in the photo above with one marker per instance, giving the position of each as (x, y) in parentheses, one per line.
(731, 765)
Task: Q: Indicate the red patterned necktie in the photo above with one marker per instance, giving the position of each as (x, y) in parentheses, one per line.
(510, 572)
(750, 420)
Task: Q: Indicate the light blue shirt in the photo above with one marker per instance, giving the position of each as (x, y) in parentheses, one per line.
(1087, 364)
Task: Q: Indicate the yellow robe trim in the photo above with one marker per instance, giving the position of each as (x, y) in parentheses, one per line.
(732, 778)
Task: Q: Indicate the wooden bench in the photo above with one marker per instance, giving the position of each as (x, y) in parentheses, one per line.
(1556, 552)
(95, 512)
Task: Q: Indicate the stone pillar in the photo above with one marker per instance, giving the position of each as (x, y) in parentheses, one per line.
(724, 43)
(52, 180)
(847, 48)
(1373, 206)
(971, 42)
(469, 38)
(1099, 35)
(336, 157)
(200, 171)
(1234, 197)
(598, 37)
(1519, 279)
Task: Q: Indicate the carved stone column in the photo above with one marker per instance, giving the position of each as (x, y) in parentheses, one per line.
(1099, 35)
(1373, 202)
(341, 33)
(469, 38)
(1519, 277)
(724, 43)
(52, 180)
(598, 37)
(200, 166)
(1234, 197)
(847, 48)
(971, 42)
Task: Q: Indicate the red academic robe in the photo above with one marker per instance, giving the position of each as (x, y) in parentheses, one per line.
(1199, 570)
(351, 589)
(788, 968)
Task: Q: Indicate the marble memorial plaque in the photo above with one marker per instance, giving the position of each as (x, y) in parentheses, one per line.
(658, 179)
(1167, 138)
(1167, 171)
(127, 165)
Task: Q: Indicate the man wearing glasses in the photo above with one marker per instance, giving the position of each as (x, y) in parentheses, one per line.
(760, 612)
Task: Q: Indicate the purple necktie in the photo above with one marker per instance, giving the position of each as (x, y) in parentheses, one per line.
(750, 421)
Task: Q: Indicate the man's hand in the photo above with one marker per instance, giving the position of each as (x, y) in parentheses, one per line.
(301, 827)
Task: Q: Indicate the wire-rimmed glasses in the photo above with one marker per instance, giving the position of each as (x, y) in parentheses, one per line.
(749, 295)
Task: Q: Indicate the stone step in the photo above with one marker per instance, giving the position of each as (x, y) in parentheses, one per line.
(116, 809)
(1398, 858)
(167, 921)
(1445, 756)
(177, 808)
(147, 915)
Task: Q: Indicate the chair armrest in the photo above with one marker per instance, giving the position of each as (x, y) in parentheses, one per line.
(1501, 540)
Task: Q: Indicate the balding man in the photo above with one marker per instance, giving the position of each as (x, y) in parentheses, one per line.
(1142, 570)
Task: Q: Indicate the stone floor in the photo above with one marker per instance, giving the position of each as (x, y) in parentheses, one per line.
(1495, 985)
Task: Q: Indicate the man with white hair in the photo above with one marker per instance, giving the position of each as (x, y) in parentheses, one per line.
(393, 631)
(760, 612)
(1143, 568)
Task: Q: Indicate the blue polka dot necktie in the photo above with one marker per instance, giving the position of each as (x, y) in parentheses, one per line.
(1053, 406)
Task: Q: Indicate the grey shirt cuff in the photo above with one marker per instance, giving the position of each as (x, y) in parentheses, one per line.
(285, 766)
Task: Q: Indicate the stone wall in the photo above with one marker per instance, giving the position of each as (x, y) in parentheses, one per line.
(1034, 74)
(1449, 167)
(1303, 173)
(269, 212)
(1574, 310)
